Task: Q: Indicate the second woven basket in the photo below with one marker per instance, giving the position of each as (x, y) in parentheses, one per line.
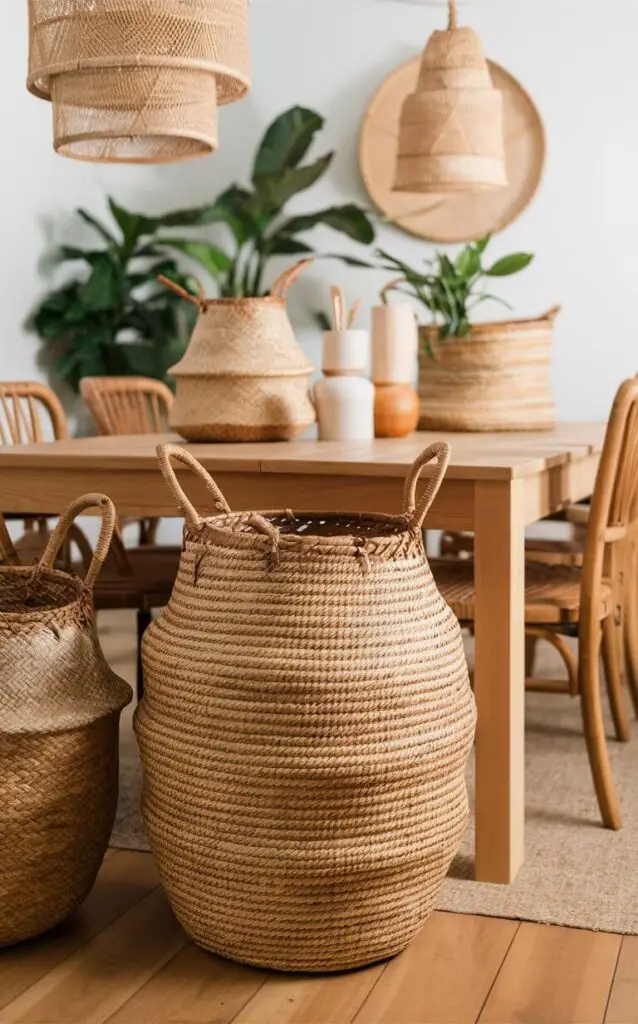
(304, 732)
(60, 707)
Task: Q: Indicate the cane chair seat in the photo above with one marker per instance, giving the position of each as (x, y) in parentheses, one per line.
(552, 593)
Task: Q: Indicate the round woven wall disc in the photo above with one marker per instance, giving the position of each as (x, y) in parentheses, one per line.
(456, 217)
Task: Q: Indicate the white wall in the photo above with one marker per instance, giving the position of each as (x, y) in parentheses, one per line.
(576, 57)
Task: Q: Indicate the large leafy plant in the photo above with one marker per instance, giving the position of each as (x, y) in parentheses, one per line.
(112, 317)
(257, 226)
(451, 290)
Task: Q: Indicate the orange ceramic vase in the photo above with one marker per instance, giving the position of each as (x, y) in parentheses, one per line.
(396, 410)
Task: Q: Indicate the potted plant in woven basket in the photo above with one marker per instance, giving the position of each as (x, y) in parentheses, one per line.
(476, 376)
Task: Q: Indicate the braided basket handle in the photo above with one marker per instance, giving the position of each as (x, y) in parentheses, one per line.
(416, 513)
(66, 521)
(280, 288)
(168, 452)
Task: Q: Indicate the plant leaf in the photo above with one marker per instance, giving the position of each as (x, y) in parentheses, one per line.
(70, 253)
(350, 261)
(213, 259)
(102, 290)
(482, 244)
(132, 225)
(282, 245)
(510, 264)
(468, 262)
(350, 220)
(274, 190)
(286, 142)
(99, 227)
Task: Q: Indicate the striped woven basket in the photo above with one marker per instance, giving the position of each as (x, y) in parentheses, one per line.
(60, 705)
(304, 732)
(496, 378)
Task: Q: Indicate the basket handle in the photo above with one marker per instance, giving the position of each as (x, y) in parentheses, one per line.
(197, 300)
(280, 288)
(414, 513)
(66, 521)
(168, 452)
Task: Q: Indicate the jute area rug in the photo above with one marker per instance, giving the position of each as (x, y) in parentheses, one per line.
(576, 873)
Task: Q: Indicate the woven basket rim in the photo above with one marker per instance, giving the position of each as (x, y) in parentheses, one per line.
(239, 375)
(218, 530)
(493, 325)
(55, 576)
(205, 148)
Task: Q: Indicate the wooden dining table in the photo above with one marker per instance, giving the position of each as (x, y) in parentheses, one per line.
(496, 485)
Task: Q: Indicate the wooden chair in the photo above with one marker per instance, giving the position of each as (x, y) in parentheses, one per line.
(129, 405)
(125, 406)
(562, 600)
(30, 413)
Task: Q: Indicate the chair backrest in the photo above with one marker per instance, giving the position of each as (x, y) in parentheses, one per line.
(612, 530)
(27, 409)
(127, 405)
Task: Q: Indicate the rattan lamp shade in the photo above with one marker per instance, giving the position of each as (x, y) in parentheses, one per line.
(138, 81)
(452, 131)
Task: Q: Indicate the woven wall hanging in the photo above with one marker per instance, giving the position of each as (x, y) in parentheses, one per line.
(137, 81)
(452, 135)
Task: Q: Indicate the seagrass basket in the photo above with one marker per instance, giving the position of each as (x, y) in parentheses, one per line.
(138, 81)
(496, 378)
(244, 376)
(59, 713)
(304, 731)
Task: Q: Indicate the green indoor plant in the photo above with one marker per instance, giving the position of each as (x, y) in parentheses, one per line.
(112, 317)
(452, 290)
(476, 376)
(257, 226)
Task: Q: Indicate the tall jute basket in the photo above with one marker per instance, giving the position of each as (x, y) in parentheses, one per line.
(495, 378)
(304, 731)
(244, 376)
(451, 135)
(59, 711)
(138, 81)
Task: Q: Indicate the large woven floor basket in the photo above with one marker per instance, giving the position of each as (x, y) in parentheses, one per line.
(304, 732)
(59, 712)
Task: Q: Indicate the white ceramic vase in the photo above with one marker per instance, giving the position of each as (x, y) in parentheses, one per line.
(344, 398)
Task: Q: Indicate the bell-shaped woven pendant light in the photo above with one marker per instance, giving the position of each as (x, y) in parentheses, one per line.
(451, 135)
(137, 81)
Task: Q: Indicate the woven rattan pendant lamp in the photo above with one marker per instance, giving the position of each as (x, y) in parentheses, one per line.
(137, 81)
(451, 135)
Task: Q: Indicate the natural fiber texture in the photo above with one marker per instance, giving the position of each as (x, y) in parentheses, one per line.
(306, 722)
(575, 872)
(244, 376)
(138, 80)
(135, 115)
(451, 134)
(59, 712)
(495, 378)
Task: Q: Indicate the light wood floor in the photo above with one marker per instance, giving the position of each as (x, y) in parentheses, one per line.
(124, 959)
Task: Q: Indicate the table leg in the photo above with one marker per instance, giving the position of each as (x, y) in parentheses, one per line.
(499, 681)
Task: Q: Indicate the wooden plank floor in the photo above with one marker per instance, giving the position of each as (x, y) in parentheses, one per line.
(124, 959)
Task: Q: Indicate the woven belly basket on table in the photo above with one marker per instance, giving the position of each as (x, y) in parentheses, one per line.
(60, 705)
(304, 732)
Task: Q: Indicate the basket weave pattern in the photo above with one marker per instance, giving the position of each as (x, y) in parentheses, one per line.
(304, 731)
(244, 376)
(495, 378)
(59, 712)
(138, 80)
(451, 132)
